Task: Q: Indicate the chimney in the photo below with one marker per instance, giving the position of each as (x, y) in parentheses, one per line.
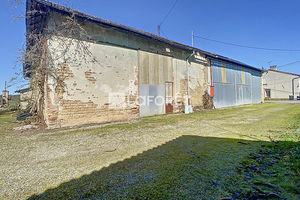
(274, 67)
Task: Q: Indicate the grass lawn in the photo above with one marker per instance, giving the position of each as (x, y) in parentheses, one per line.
(239, 153)
(7, 121)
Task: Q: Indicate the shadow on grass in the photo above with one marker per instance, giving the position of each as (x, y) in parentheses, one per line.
(189, 167)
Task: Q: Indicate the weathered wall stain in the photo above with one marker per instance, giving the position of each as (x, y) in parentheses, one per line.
(87, 89)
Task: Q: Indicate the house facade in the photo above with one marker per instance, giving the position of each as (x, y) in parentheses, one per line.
(280, 85)
(125, 73)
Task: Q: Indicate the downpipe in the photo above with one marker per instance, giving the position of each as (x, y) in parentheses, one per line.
(293, 86)
(188, 108)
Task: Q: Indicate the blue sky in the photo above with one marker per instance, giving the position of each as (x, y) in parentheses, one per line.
(262, 23)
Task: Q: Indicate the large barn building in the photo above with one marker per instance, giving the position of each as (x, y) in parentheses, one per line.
(128, 73)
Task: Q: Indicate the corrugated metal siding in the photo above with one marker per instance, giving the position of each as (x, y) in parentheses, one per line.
(235, 85)
(256, 87)
(224, 95)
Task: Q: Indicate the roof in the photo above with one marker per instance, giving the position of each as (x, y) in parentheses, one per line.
(273, 70)
(22, 90)
(65, 9)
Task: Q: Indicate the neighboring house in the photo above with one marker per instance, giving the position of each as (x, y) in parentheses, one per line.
(280, 85)
(136, 74)
(25, 98)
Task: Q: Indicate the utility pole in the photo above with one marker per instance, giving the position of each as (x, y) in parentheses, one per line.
(158, 29)
(192, 38)
(5, 96)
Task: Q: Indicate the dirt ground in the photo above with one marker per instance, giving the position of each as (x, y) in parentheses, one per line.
(190, 156)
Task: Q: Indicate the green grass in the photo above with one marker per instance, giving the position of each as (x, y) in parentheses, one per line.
(7, 121)
(210, 158)
(287, 99)
(278, 162)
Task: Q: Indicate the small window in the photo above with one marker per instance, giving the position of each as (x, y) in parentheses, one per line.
(268, 93)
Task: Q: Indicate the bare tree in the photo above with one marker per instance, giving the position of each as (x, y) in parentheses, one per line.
(48, 51)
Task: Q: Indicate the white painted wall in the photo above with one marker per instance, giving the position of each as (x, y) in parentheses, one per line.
(280, 84)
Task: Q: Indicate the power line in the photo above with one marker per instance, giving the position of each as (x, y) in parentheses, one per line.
(167, 15)
(291, 63)
(249, 47)
(164, 19)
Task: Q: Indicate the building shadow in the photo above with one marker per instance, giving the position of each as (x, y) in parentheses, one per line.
(189, 167)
